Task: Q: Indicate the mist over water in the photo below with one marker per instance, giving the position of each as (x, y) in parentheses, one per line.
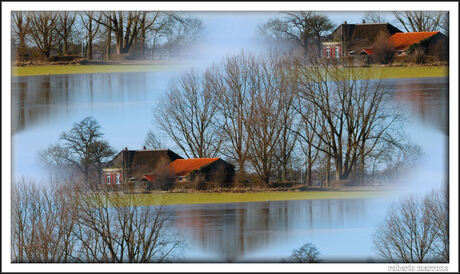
(226, 33)
(123, 103)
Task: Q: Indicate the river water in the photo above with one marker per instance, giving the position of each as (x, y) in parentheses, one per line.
(44, 106)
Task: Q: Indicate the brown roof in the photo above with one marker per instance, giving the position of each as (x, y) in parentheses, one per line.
(361, 35)
(141, 162)
(182, 167)
(402, 41)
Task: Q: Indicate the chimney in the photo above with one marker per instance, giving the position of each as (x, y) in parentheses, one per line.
(345, 22)
(126, 148)
(364, 21)
(145, 148)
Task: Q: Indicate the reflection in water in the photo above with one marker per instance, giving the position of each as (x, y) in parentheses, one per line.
(428, 99)
(235, 231)
(44, 106)
(41, 99)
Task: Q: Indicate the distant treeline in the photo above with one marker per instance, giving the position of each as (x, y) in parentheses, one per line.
(101, 35)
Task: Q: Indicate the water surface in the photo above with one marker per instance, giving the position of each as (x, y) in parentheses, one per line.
(123, 103)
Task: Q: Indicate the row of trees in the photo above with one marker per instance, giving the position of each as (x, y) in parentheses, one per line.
(307, 29)
(119, 32)
(270, 114)
(416, 230)
(68, 223)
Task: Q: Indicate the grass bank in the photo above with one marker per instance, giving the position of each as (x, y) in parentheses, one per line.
(79, 69)
(405, 72)
(371, 72)
(229, 197)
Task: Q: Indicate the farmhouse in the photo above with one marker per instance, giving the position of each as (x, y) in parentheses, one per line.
(132, 165)
(402, 42)
(350, 39)
(145, 165)
(432, 43)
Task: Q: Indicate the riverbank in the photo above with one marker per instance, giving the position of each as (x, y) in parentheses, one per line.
(374, 72)
(83, 69)
(159, 198)
(382, 72)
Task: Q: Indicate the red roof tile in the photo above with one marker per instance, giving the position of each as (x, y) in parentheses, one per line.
(401, 41)
(182, 167)
(368, 51)
(151, 178)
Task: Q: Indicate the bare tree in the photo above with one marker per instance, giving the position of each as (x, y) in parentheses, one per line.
(417, 21)
(20, 27)
(151, 141)
(299, 26)
(65, 21)
(269, 95)
(115, 228)
(309, 125)
(187, 116)
(307, 253)
(43, 30)
(374, 17)
(42, 223)
(231, 83)
(74, 223)
(125, 26)
(383, 49)
(444, 25)
(288, 139)
(92, 27)
(356, 118)
(415, 231)
(82, 147)
(164, 175)
(181, 31)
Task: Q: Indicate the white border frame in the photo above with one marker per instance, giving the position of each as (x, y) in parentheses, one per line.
(7, 7)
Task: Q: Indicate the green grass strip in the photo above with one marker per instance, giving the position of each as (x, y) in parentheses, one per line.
(371, 72)
(229, 197)
(79, 69)
(405, 72)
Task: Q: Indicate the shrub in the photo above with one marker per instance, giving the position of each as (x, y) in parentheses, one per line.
(307, 253)
(383, 49)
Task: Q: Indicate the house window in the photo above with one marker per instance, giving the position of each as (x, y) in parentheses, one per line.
(107, 178)
(328, 52)
(337, 52)
(118, 178)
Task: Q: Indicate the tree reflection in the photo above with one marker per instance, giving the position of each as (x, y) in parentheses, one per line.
(233, 231)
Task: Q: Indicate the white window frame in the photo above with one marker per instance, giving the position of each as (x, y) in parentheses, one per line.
(108, 178)
(337, 52)
(117, 178)
(328, 52)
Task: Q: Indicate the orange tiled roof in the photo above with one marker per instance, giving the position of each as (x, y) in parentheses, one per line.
(401, 41)
(182, 167)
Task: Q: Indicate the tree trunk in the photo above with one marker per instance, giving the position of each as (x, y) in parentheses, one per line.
(309, 177)
(305, 46)
(65, 49)
(328, 169)
(89, 48)
(109, 40)
(338, 169)
(22, 47)
(319, 46)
